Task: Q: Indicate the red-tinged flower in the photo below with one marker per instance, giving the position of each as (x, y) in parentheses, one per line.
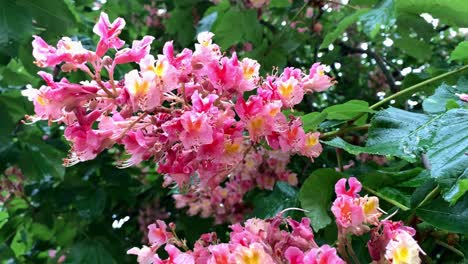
(203, 105)
(166, 74)
(323, 255)
(157, 233)
(294, 255)
(139, 50)
(312, 147)
(177, 257)
(67, 50)
(72, 51)
(197, 130)
(354, 187)
(302, 229)
(290, 91)
(141, 146)
(349, 214)
(219, 254)
(146, 255)
(293, 138)
(109, 33)
(144, 94)
(252, 254)
(86, 143)
(225, 75)
(317, 80)
(45, 55)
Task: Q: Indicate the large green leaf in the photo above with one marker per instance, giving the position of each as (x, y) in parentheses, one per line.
(341, 28)
(460, 53)
(414, 47)
(180, 25)
(437, 103)
(348, 110)
(237, 26)
(383, 15)
(316, 196)
(89, 251)
(451, 218)
(312, 120)
(453, 12)
(283, 196)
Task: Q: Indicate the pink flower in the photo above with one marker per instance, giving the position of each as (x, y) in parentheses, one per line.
(109, 33)
(312, 147)
(140, 49)
(293, 138)
(354, 187)
(309, 12)
(290, 91)
(317, 81)
(254, 253)
(157, 234)
(44, 54)
(143, 92)
(294, 255)
(324, 254)
(348, 214)
(463, 97)
(197, 131)
(219, 254)
(178, 257)
(146, 255)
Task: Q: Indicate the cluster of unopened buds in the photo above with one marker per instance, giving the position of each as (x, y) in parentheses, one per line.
(281, 240)
(197, 114)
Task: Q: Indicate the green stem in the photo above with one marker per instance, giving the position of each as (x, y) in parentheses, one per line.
(339, 159)
(344, 131)
(395, 203)
(451, 248)
(417, 86)
(429, 196)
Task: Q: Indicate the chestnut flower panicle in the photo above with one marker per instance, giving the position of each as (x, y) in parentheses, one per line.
(186, 111)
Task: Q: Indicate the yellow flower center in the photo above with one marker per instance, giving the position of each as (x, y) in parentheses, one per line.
(401, 255)
(370, 206)
(286, 89)
(311, 140)
(250, 256)
(141, 88)
(248, 72)
(41, 100)
(159, 69)
(231, 147)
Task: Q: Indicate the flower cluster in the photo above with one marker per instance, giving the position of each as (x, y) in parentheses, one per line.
(391, 242)
(260, 168)
(284, 240)
(189, 112)
(275, 240)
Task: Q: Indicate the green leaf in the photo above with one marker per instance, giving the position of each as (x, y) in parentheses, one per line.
(180, 24)
(458, 190)
(237, 27)
(414, 47)
(89, 251)
(380, 178)
(40, 160)
(348, 110)
(452, 12)
(316, 196)
(16, 26)
(341, 28)
(279, 3)
(3, 218)
(207, 22)
(383, 15)
(91, 204)
(311, 121)
(437, 102)
(283, 196)
(460, 53)
(441, 215)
